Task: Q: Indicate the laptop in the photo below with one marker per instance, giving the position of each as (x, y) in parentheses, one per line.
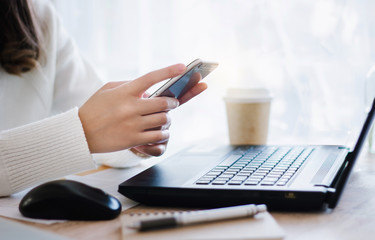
(292, 178)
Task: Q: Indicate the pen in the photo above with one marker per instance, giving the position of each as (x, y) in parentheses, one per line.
(200, 216)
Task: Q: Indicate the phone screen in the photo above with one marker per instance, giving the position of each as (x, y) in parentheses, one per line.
(186, 82)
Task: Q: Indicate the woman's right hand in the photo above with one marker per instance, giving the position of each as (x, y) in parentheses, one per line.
(116, 117)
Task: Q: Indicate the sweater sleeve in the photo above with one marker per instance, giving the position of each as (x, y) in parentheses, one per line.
(75, 81)
(41, 151)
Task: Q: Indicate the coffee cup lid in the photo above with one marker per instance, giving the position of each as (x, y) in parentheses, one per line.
(248, 95)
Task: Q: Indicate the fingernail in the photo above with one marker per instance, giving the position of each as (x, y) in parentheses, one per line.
(162, 148)
(165, 134)
(173, 103)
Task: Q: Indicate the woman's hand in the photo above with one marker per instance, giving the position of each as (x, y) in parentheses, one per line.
(160, 148)
(116, 117)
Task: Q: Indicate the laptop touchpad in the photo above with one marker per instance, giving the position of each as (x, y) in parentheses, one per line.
(174, 172)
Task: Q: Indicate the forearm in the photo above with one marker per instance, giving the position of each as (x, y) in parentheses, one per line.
(41, 151)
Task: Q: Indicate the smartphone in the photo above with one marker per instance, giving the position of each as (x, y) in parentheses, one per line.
(178, 86)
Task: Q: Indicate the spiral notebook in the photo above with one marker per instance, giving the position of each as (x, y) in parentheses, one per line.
(262, 226)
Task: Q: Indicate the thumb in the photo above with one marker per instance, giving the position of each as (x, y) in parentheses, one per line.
(140, 85)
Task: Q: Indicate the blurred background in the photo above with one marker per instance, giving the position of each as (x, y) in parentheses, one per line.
(316, 57)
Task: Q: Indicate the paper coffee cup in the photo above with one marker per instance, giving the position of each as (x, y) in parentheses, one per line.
(248, 113)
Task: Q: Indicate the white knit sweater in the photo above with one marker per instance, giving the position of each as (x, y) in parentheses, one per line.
(35, 147)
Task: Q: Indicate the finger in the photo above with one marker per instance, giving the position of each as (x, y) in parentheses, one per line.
(196, 90)
(156, 120)
(164, 127)
(140, 85)
(153, 137)
(158, 104)
(153, 150)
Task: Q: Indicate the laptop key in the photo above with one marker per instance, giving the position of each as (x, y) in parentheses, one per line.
(280, 168)
(250, 179)
(235, 182)
(212, 173)
(252, 183)
(205, 179)
(270, 178)
(245, 173)
(229, 175)
(281, 183)
(275, 174)
(267, 183)
(218, 182)
(288, 174)
(233, 169)
(224, 177)
(286, 179)
(203, 182)
(259, 174)
(239, 165)
(249, 168)
(239, 178)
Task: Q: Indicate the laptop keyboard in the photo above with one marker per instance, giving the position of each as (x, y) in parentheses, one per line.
(267, 166)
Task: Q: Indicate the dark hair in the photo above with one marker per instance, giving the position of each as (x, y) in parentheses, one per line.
(19, 43)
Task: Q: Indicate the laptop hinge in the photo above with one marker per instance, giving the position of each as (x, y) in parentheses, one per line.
(330, 192)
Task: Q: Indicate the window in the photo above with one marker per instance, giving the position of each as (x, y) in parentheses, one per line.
(313, 55)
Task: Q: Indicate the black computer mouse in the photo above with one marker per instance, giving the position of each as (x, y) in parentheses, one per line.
(69, 200)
